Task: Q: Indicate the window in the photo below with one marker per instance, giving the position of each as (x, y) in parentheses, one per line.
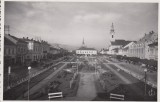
(18, 49)
(4, 51)
(21, 49)
(13, 51)
(9, 51)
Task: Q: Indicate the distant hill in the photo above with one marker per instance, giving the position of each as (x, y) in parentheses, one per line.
(67, 47)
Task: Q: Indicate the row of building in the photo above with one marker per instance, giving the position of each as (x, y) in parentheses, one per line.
(25, 50)
(145, 48)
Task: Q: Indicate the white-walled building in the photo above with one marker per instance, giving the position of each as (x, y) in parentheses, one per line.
(83, 50)
(86, 51)
(143, 48)
(115, 44)
(103, 51)
(153, 49)
(126, 50)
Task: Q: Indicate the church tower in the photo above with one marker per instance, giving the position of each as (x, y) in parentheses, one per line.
(112, 34)
(83, 44)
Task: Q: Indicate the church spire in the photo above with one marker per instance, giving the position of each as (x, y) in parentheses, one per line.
(112, 33)
(112, 27)
(83, 44)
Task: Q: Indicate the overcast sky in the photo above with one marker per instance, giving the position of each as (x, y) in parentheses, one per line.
(70, 22)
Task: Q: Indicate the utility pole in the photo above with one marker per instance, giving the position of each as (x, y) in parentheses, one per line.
(6, 29)
(9, 73)
(145, 79)
(29, 68)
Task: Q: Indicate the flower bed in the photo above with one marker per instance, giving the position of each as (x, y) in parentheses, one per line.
(62, 84)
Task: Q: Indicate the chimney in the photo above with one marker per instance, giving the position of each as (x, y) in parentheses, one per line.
(27, 38)
(152, 32)
(145, 34)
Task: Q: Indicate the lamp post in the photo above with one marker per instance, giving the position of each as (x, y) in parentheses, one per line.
(77, 65)
(145, 79)
(95, 65)
(9, 73)
(29, 68)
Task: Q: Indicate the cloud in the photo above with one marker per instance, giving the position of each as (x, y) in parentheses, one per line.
(93, 17)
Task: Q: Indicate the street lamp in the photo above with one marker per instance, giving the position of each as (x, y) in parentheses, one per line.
(29, 68)
(145, 79)
(95, 65)
(77, 65)
(9, 73)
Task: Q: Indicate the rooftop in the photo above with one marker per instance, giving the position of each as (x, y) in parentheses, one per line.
(52, 48)
(8, 42)
(149, 37)
(86, 48)
(120, 42)
(153, 44)
(18, 39)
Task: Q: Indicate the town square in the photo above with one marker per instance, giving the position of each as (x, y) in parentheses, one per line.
(80, 51)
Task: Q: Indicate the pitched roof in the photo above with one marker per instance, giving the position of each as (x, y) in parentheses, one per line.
(120, 42)
(104, 50)
(18, 39)
(116, 49)
(149, 37)
(8, 42)
(52, 48)
(86, 48)
(153, 44)
(26, 40)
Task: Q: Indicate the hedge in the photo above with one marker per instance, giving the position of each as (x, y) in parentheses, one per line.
(150, 64)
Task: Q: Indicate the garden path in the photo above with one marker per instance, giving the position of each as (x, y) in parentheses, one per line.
(86, 90)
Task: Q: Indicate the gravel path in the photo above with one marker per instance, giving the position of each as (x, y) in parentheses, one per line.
(86, 90)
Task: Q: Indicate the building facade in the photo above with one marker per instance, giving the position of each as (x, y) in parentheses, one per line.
(21, 48)
(45, 49)
(9, 52)
(86, 51)
(141, 48)
(34, 50)
(83, 50)
(153, 49)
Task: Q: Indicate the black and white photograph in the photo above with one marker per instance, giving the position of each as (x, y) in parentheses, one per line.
(80, 51)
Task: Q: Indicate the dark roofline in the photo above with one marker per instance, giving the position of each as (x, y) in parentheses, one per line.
(8, 42)
(18, 39)
(153, 44)
(86, 48)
